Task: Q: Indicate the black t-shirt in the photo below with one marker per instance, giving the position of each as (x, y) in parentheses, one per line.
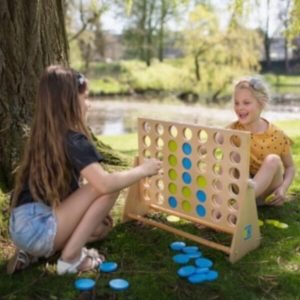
(81, 153)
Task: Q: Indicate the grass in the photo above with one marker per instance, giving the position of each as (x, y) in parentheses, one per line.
(145, 260)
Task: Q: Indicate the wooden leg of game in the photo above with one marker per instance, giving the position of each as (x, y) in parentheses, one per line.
(247, 234)
(134, 204)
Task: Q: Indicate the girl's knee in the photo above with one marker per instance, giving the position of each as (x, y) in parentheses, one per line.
(273, 161)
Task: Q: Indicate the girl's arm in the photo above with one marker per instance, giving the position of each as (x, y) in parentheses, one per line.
(289, 171)
(288, 176)
(106, 183)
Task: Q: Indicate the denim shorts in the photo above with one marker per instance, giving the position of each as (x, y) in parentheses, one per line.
(32, 228)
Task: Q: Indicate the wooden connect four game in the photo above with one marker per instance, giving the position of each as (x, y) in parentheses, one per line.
(203, 180)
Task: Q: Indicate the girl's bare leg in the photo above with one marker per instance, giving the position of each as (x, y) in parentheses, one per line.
(78, 217)
(102, 229)
(269, 176)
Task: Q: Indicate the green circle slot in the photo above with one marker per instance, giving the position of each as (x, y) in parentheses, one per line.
(186, 206)
(201, 181)
(186, 191)
(172, 146)
(172, 174)
(172, 160)
(172, 188)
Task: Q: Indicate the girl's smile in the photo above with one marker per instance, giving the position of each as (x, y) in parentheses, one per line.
(246, 107)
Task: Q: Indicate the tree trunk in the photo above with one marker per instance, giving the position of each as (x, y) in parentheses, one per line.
(267, 46)
(197, 67)
(161, 37)
(286, 57)
(267, 39)
(32, 35)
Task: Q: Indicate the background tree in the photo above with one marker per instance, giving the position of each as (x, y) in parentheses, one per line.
(201, 35)
(218, 56)
(146, 29)
(84, 29)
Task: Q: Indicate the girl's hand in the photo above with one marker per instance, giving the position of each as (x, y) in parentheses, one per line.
(151, 166)
(279, 196)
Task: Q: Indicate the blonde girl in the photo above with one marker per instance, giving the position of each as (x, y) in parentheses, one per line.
(51, 211)
(271, 163)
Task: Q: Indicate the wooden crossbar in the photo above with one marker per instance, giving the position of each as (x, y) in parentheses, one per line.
(192, 219)
(181, 233)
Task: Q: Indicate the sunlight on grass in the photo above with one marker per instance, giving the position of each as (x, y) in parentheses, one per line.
(290, 127)
(123, 143)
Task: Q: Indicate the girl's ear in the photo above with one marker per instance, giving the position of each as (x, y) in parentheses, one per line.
(262, 104)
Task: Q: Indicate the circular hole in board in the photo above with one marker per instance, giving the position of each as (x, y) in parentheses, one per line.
(159, 129)
(203, 136)
(235, 141)
(173, 131)
(235, 157)
(146, 127)
(218, 138)
(231, 219)
(187, 133)
(217, 200)
(216, 215)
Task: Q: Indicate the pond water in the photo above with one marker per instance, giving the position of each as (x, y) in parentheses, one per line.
(114, 117)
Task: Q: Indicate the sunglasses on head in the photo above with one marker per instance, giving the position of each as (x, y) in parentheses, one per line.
(256, 84)
(80, 79)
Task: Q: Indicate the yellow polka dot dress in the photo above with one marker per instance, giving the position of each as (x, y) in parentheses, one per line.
(272, 141)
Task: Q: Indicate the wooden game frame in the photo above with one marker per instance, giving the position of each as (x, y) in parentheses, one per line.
(236, 216)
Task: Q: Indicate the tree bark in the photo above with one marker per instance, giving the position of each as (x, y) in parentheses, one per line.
(32, 35)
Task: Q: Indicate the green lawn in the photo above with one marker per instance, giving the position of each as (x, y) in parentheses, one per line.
(145, 260)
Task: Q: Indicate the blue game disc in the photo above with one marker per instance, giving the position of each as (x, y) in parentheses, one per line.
(194, 254)
(177, 246)
(203, 263)
(186, 271)
(202, 270)
(212, 275)
(108, 266)
(197, 278)
(119, 284)
(84, 284)
(190, 249)
(181, 258)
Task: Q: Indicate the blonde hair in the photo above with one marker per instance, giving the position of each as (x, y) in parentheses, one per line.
(45, 165)
(256, 86)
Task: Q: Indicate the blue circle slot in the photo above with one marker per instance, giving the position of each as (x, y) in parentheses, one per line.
(186, 162)
(186, 177)
(201, 211)
(201, 196)
(187, 148)
(172, 202)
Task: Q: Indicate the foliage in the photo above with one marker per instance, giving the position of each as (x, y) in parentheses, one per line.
(173, 76)
(209, 49)
(159, 76)
(83, 24)
(293, 30)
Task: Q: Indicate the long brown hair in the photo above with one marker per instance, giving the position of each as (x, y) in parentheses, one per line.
(45, 164)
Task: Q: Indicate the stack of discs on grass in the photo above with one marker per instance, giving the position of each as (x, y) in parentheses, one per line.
(198, 272)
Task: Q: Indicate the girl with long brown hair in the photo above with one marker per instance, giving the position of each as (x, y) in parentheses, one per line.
(51, 211)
